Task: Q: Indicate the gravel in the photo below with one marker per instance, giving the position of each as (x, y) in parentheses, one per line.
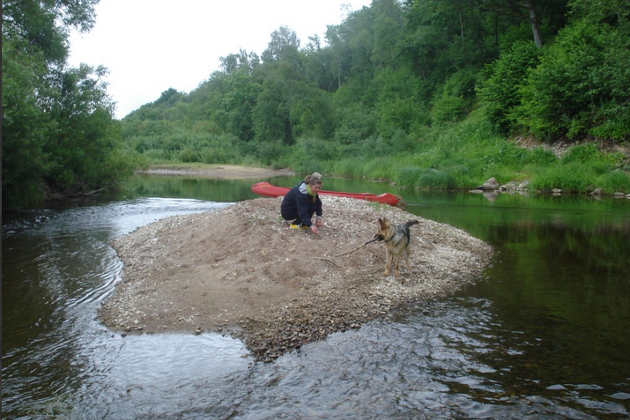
(242, 271)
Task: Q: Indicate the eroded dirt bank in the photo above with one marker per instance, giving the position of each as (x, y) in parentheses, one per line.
(242, 271)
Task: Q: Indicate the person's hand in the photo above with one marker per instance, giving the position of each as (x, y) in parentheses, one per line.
(318, 222)
(314, 229)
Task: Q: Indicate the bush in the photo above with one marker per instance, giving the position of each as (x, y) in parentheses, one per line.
(269, 152)
(573, 177)
(543, 157)
(408, 177)
(349, 167)
(500, 92)
(432, 179)
(581, 86)
(460, 177)
(357, 124)
(614, 181)
(188, 155)
(455, 99)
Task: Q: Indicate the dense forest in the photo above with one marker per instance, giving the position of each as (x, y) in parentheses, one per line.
(430, 94)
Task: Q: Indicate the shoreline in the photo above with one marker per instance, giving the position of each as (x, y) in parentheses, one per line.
(217, 171)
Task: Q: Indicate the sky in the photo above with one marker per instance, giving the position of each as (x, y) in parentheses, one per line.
(149, 46)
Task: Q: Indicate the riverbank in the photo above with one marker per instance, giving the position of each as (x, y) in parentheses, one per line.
(242, 271)
(216, 171)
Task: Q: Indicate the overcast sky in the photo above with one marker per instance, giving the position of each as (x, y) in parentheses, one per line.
(150, 46)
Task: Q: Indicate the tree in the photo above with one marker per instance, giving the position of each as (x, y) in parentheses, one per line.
(58, 131)
(581, 86)
(533, 12)
(284, 44)
(25, 125)
(45, 24)
(501, 92)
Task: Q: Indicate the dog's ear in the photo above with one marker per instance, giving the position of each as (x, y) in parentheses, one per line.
(382, 222)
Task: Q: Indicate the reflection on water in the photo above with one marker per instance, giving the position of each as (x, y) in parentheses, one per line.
(545, 336)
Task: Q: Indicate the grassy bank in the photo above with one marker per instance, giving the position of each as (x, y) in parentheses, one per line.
(463, 156)
(456, 157)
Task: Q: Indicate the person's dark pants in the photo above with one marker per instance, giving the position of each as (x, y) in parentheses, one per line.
(295, 217)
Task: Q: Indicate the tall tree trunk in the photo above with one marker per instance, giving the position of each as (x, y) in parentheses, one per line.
(461, 25)
(533, 18)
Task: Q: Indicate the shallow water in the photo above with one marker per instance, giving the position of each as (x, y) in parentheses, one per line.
(543, 336)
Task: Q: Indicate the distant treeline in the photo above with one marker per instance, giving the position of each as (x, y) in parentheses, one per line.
(427, 93)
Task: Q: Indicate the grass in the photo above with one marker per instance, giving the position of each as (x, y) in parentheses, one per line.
(456, 157)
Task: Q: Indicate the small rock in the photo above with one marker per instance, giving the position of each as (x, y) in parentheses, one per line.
(491, 184)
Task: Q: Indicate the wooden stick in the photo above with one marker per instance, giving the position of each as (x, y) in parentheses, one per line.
(359, 247)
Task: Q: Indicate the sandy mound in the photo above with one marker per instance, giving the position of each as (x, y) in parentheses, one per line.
(242, 271)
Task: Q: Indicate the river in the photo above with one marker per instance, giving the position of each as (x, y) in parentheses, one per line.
(544, 335)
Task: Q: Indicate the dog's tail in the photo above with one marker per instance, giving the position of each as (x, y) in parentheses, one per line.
(411, 223)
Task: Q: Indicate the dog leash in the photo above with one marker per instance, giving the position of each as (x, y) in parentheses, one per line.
(376, 238)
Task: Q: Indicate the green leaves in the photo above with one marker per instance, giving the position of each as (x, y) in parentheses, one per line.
(501, 92)
(58, 131)
(581, 86)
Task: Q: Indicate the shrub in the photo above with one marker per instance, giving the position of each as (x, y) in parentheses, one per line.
(455, 99)
(541, 156)
(432, 179)
(408, 177)
(357, 123)
(614, 181)
(581, 86)
(580, 153)
(500, 92)
(573, 177)
(188, 155)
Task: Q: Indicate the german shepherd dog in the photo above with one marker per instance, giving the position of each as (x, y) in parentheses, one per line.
(396, 238)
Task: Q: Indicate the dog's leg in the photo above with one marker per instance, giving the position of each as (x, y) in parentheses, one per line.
(388, 261)
(396, 267)
(407, 252)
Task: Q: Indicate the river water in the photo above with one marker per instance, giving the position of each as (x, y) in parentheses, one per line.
(544, 335)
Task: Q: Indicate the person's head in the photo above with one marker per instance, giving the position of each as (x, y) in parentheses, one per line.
(314, 181)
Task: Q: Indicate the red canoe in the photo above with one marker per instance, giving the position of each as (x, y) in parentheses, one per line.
(268, 190)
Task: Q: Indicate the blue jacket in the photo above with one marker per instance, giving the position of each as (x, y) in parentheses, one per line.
(298, 205)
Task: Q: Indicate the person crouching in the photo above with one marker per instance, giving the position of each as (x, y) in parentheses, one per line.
(302, 201)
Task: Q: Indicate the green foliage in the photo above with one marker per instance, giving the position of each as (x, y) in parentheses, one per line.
(613, 181)
(542, 157)
(573, 177)
(581, 86)
(583, 168)
(501, 91)
(581, 153)
(58, 133)
(397, 104)
(408, 177)
(357, 123)
(270, 152)
(422, 93)
(456, 98)
(189, 155)
(432, 179)
(311, 154)
(24, 124)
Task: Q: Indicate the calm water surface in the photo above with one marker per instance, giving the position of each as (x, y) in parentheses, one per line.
(543, 335)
